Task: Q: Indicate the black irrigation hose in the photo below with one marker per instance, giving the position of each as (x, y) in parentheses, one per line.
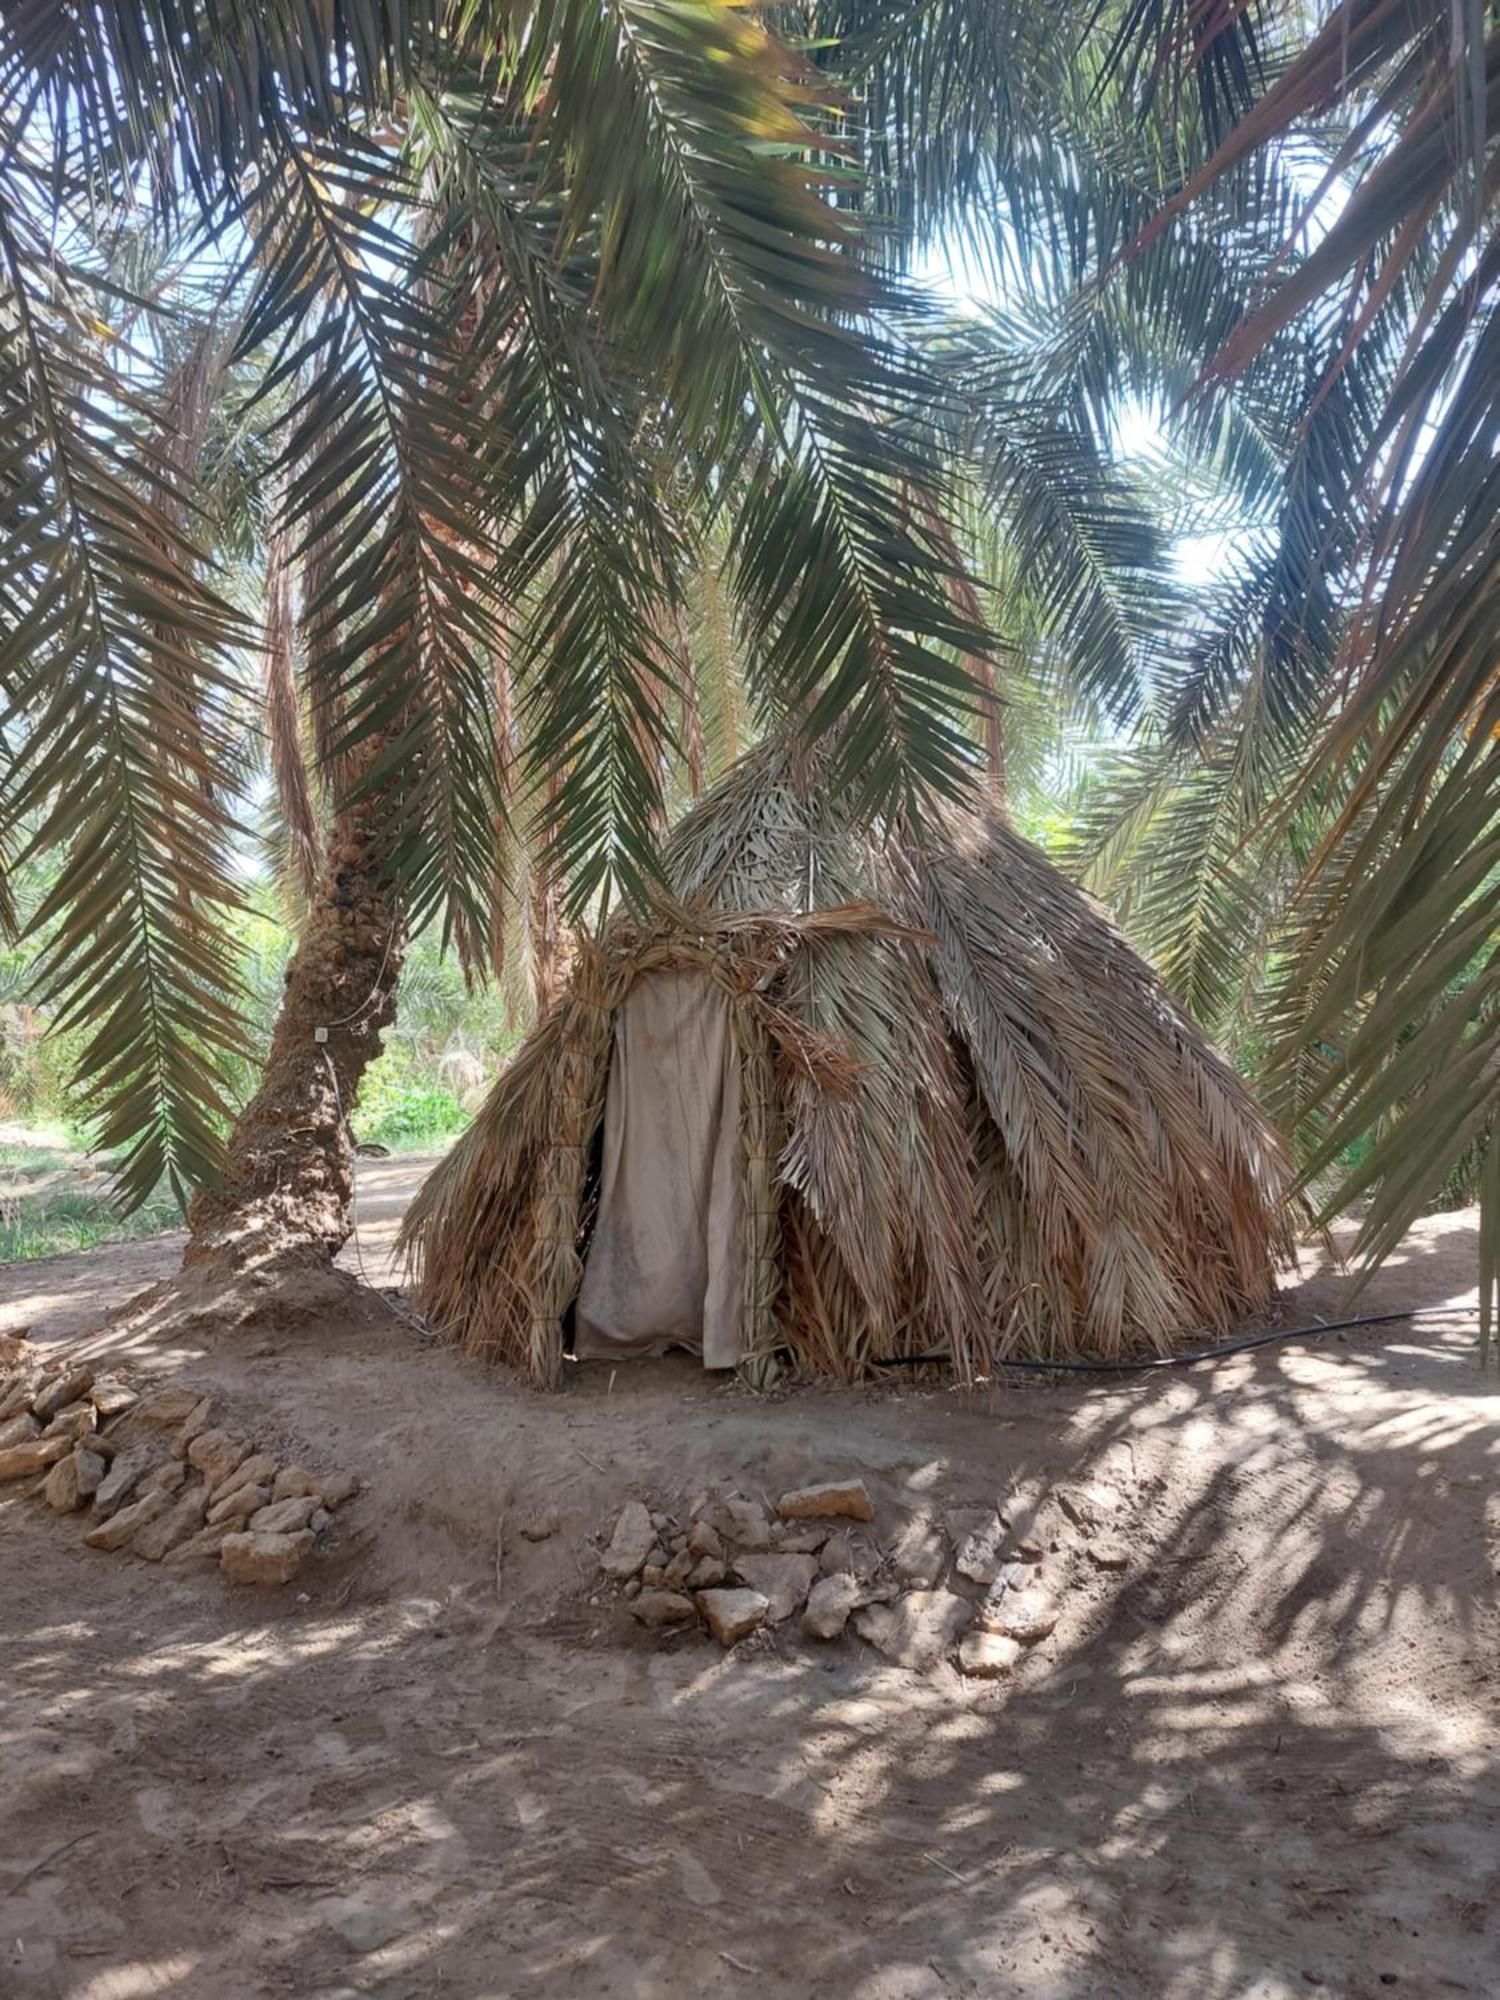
(1310, 1331)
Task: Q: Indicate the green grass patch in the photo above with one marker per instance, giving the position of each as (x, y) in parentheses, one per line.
(58, 1221)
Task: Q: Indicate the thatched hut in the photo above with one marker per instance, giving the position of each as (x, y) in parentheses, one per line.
(853, 1095)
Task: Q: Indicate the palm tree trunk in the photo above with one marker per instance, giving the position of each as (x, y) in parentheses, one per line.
(288, 1188)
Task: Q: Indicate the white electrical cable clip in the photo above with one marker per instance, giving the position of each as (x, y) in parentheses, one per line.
(320, 1035)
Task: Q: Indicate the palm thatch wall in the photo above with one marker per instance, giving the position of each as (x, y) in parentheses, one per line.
(973, 1122)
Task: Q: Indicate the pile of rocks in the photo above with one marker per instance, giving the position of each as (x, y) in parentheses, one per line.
(154, 1471)
(964, 1583)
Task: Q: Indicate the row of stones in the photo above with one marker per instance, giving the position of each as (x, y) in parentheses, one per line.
(88, 1442)
(736, 1568)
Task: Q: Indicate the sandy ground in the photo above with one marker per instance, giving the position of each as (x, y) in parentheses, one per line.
(1259, 1762)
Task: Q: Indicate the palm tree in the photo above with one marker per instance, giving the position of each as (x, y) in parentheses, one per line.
(488, 269)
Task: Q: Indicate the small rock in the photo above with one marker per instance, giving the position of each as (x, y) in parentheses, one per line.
(662, 1607)
(1027, 1615)
(632, 1589)
(987, 1656)
(23, 1461)
(60, 1391)
(799, 1541)
(676, 1573)
(652, 1574)
(656, 1557)
(918, 1629)
(259, 1469)
(731, 1615)
(61, 1489)
(631, 1542)
(782, 1580)
(921, 1552)
(706, 1541)
(338, 1488)
(745, 1523)
(168, 1406)
(206, 1546)
(19, 1429)
(164, 1478)
(661, 1522)
(322, 1518)
(285, 1517)
(538, 1527)
(1109, 1551)
(183, 1518)
(292, 1483)
(216, 1455)
(118, 1529)
(238, 1505)
(198, 1420)
(829, 1603)
(1029, 1521)
(120, 1482)
(1091, 1504)
(264, 1559)
(706, 1574)
(89, 1469)
(18, 1396)
(72, 1420)
(111, 1397)
(15, 1352)
(846, 1498)
(977, 1538)
(852, 1552)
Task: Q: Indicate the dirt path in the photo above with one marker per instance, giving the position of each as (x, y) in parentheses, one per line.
(1259, 1762)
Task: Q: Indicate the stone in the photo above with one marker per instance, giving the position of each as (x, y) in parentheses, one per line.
(632, 1588)
(656, 1557)
(732, 1615)
(198, 1420)
(238, 1505)
(292, 1483)
(89, 1466)
(183, 1518)
(121, 1525)
(216, 1455)
(782, 1580)
(706, 1541)
(15, 1351)
(61, 1489)
(798, 1541)
(1109, 1551)
(72, 1421)
(111, 1397)
(631, 1542)
(18, 1396)
(918, 1629)
(677, 1571)
(658, 1608)
(744, 1522)
(1091, 1504)
(206, 1546)
(652, 1574)
(707, 1573)
(538, 1527)
(120, 1482)
(168, 1406)
(846, 1499)
(1029, 1521)
(987, 1656)
(849, 1551)
(829, 1605)
(266, 1560)
(340, 1487)
(285, 1517)
(23, 1461)
(978, 1537)
(321, 1519)
(259, 1469)
(61, 1390)
(164, 1478)
(19, 1429)
(921, 1552)
(1027, 1615)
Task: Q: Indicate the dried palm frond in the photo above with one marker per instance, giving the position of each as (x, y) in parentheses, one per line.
(975, 1124)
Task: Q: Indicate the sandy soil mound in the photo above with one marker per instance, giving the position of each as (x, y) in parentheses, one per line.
(1257, 1760)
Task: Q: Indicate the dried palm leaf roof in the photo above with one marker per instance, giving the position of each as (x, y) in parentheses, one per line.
(974, 1122)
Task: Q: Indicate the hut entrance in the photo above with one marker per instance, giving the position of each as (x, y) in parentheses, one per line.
(664, 1266)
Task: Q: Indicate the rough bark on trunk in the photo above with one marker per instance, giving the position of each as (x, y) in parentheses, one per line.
(288, 1187)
